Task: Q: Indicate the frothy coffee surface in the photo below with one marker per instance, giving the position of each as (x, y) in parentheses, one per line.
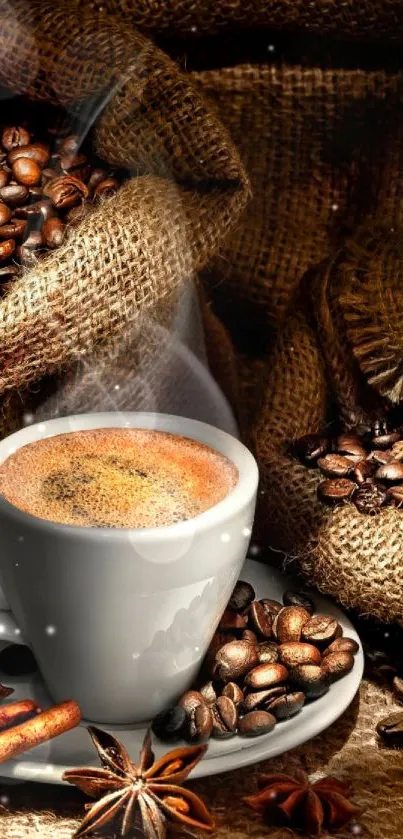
(116, 477)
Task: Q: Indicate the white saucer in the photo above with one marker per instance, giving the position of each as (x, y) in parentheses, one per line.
(47, 763)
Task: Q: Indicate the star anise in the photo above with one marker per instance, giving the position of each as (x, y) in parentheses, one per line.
(323, 805)
(150, 790)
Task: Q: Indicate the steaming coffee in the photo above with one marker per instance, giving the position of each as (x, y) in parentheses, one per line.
(116, 477)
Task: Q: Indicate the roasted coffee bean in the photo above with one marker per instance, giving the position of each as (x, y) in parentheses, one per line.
(256, 723)
(395, 495)
(350, 444)
(299, 598)
(296, 652)
(369, 498)
(14, 194)
(190, 700)
(169, 725)
(15, 136)
(311, 679)
(267, 652)
(384, 441)
(398, 688)
(7, 248)
(320, 630)
(272, 607)
(310, 447)
(266, 676)
(70, 145)
(5, 214)
(289, 623)
(234, 692)
(42, 209)
(65, 191)
(14, 229)
(96, 177)
(342, 645)
(75, 164)
(250, 636)
(218, 640)
(231, 621)
(286, 706)
(235, 659)
(53, 232)
(397, 451)
(337, 665)
(335, 465)
(364, 471)
(208, 693)
(33, 241)
(38, 152)
(26, 171)
(76, 214)
(106, 189)
(380, 456)
(4, 177)
(241, 597)
(336, 490)
(391, 472)
(48, 175)
(261, 698)
(260, 619)
(225, 718)
(6, 273)
(391, 730)
(199, 724)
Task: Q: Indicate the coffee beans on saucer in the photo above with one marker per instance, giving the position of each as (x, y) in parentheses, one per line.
(363, 469)
(264, 662)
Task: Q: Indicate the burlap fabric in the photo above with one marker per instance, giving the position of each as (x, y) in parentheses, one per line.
(349, 749)
(371, 19)
(130, 256)
(323, 150)
(353, 557)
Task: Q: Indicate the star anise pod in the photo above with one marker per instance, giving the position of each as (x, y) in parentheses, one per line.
(150, 790)
(323, 805)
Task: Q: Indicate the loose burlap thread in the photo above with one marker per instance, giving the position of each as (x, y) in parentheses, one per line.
(130, 256)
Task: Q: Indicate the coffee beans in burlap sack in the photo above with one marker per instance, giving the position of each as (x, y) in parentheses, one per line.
(371, 19)
(341, 347)
(129, 257)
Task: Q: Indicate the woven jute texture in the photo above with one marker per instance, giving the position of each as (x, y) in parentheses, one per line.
(349, 749)
(323, 150)
(373, 18)
(353, 557)
(130, 256)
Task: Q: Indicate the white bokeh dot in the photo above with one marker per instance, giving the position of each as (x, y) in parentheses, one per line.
(2, 628)
(50, 630)
(28, 418)
(225, 537)
(17, 631)
(335, 207)
(21, 538)
(42, 427)
(271, 48)
(246, 532)
(254, 550)
(4, 800)
(117, 387)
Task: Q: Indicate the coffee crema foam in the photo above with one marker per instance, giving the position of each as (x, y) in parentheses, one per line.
(116, 477)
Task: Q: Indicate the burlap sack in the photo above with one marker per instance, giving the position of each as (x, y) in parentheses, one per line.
(129, 257)
(371, 19)
(323, 150)
(353, 557)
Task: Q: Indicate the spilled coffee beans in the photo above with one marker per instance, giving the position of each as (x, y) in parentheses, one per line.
(263, 663)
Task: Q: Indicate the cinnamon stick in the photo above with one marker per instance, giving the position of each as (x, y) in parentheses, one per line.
(16, 713)
(44, 726)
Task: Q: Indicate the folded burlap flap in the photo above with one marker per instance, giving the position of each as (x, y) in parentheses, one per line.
(130, 255)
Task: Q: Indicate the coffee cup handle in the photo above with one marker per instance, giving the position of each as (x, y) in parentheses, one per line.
(10, 631)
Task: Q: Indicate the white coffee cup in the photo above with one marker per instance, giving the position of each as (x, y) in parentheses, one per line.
(120, 619)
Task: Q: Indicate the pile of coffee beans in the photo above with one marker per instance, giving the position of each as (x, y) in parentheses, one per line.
(265, 661)
(46, 184)
(365, 469)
